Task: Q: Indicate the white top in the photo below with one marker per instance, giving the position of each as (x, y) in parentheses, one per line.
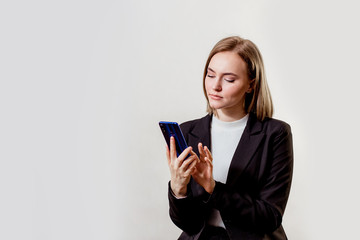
(225, 137)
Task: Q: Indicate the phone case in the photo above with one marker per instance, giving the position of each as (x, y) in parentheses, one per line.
(172, 129)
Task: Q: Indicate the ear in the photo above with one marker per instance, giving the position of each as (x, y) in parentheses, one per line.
(251, 86)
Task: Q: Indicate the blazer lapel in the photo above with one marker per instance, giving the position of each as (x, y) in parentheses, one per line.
(201, 133)
(246, 148)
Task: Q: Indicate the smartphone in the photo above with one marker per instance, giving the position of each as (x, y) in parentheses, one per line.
(172, 129)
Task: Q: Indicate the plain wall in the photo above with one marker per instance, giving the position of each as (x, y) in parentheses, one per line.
(84, 84)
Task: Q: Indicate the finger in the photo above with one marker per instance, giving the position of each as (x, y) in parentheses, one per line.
(184, 154)
(194, 170)
(172, 148)
(209, 162)
(191, 168)
(168, 155)
(201, 151)
(208, 153)
(194, 153)
(195, 156)
(189, 161)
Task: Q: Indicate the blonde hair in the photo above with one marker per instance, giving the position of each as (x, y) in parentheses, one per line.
(258, 101)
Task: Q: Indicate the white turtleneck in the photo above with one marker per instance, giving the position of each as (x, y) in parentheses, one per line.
(225, 137)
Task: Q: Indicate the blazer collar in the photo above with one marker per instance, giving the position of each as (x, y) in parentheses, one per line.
(202, 128)
(253, 125)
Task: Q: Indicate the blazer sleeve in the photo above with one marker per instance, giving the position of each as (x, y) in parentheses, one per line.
(187, 213)
(260, 212)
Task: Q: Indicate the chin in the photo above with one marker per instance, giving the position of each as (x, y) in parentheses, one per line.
(215, 107)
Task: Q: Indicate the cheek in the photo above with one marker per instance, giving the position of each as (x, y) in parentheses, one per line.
(236, 92)
(207, 86)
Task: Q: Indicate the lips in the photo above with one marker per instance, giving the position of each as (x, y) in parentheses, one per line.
(215, 97)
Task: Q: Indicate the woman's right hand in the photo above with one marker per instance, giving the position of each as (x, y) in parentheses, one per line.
(180, 169)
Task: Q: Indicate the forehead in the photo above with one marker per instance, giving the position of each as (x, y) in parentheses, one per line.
(227, 62)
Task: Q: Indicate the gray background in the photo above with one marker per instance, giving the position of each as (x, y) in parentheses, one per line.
(84, 84)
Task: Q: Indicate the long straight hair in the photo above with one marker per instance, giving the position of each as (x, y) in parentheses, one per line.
(258, 101)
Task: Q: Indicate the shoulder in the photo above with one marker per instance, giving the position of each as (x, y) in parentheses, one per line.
(272, 124)
(189, 126)
(191, 123)
(269, 126)
(277, 130)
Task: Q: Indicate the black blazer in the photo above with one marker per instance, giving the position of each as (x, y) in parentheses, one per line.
(253, 200)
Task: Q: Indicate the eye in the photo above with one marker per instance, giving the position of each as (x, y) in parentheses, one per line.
(229, 80)
(210, 75)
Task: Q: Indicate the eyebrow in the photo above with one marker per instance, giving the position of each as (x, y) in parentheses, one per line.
(229, 73)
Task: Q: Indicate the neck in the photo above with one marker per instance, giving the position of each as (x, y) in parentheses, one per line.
(230, 115)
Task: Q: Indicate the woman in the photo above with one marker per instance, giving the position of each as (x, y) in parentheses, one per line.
(238, 190)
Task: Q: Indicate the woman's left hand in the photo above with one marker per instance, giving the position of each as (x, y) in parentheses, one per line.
(203, 174)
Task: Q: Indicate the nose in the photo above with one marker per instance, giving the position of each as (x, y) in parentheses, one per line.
(217, 85)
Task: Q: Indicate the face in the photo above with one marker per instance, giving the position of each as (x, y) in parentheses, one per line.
(227, 82)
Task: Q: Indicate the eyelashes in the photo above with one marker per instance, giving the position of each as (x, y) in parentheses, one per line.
(213, 76)
(229, 80)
